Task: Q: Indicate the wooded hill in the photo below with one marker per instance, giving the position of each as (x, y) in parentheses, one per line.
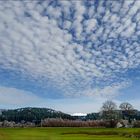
(32, 114)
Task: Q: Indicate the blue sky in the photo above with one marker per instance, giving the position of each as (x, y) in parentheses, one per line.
(69, 55)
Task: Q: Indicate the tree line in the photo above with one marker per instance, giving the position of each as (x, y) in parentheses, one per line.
(109, 111)
(126, 111)
(108, 116)
(32, 114)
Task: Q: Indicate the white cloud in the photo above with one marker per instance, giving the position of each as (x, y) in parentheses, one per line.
(42, 40)
(13, 96)
(90, 25)
(109, 91)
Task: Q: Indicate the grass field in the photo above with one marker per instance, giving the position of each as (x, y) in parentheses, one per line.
(69, 134)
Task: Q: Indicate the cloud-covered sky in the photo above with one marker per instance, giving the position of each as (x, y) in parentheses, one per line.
(69, 54)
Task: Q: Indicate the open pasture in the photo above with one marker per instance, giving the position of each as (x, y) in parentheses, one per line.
(69, 134)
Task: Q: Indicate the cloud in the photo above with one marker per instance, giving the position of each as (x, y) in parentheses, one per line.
(79, 47)
(109, 91)
(16, 97)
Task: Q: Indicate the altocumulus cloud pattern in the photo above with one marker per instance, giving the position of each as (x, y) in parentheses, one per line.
(69, 48)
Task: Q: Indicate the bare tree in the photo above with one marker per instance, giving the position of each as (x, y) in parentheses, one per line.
(126, 106)
(127, 111)
(109, 111)
(109, 106)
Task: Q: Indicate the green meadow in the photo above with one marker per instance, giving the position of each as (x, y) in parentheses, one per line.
(69, 134)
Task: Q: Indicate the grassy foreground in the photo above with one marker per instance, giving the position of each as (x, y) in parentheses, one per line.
(69, 134)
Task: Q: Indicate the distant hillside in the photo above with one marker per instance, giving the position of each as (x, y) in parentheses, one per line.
(32, 114)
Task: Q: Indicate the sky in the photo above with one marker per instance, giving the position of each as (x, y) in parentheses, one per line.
(69, 55)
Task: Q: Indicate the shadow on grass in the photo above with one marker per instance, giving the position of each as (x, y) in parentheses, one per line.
(113, 133)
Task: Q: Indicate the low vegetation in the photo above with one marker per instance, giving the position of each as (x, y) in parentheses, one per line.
(69, 134)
